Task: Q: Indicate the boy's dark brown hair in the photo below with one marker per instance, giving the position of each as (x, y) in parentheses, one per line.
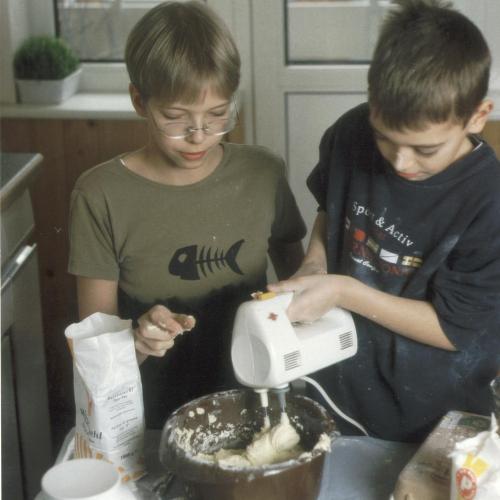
(431, 64)
(177, 49)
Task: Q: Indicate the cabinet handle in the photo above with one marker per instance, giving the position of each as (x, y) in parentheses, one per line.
(15, 264)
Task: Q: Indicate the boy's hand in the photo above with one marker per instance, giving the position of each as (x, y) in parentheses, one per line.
(313, 295)
(157, 330)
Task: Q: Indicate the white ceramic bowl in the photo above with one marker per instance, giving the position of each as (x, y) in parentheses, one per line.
(84, 479)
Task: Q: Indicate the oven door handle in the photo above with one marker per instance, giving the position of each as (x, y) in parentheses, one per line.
(15, 264)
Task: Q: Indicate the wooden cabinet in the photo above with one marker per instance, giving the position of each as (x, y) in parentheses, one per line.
(69, 147)
(491, 134)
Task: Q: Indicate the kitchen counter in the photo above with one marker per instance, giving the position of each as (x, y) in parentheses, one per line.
(357, 468)
(16, 173)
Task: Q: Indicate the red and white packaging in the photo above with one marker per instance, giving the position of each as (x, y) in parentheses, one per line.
(475, 471)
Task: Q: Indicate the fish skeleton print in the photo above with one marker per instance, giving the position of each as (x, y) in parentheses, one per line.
(187, 263)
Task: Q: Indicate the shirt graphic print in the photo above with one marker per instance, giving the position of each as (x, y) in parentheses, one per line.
(193, 262)
(368, 243)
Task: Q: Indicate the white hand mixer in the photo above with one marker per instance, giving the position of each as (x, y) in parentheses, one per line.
(268, 351)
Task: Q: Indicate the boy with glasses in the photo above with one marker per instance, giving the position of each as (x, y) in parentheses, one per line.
(177, 234)
(407, 235)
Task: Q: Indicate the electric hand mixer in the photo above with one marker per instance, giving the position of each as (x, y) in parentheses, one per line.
(268, 351)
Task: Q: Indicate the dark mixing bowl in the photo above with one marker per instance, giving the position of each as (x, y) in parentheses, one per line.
(229, 420)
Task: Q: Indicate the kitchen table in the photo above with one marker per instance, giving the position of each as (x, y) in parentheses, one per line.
(358, 468)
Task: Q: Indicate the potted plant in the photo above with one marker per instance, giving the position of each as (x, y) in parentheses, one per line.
(46, 70)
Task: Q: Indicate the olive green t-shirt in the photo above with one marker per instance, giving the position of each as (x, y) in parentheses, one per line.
(199, 249)
(161, 241)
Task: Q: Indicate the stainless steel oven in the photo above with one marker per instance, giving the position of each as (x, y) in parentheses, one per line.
(26, 441)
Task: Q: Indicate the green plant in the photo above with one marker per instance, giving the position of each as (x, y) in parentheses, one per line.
(44, 58)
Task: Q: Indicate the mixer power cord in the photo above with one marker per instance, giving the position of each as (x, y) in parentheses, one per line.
(335, 408)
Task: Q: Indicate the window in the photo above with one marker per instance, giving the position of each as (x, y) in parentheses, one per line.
(97, 29)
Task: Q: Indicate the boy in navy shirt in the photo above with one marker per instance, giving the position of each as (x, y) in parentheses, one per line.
(407, 235)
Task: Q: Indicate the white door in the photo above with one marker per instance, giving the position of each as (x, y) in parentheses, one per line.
(310, 63)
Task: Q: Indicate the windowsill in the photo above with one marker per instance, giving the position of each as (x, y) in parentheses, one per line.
(116, 106)
(80, 106)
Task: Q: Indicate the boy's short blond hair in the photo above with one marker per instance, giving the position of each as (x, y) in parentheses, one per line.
(431, 64)
(177, 49)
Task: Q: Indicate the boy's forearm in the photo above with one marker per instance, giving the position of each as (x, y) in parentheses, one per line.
(315, 261)
(414, 319)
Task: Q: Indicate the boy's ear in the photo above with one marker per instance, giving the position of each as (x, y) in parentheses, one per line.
(137, 100)
(480, 117)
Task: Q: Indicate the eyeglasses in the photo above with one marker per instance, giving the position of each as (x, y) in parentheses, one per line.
(215, 126)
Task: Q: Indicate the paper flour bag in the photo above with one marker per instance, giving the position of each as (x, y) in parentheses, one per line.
(475, 471)
(108, 393)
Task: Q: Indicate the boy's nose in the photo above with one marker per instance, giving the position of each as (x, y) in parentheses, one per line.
(197, 136)
(402, 162)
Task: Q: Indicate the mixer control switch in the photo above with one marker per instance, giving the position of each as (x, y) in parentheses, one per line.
(263, 295)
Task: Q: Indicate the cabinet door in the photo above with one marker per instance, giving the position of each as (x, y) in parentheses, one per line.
(28, 368)
(309, 115)
(307, 74)
(12, 480)
(332, 31)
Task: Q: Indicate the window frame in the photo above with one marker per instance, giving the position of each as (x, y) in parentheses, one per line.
(22, 18)
(112, 76)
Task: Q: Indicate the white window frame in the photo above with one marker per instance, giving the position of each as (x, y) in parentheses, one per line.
(21, 18)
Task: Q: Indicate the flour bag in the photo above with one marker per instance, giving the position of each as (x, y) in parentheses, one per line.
(108, 393)
(475, 470)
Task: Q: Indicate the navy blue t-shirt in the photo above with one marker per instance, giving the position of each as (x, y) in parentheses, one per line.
(436, 240)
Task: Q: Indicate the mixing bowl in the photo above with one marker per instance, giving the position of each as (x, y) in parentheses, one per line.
(229, 420)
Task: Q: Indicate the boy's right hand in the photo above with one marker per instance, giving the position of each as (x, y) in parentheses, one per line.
(314, 295)
(157, 330)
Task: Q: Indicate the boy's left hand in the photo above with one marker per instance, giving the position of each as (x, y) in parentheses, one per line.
(157, 329)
